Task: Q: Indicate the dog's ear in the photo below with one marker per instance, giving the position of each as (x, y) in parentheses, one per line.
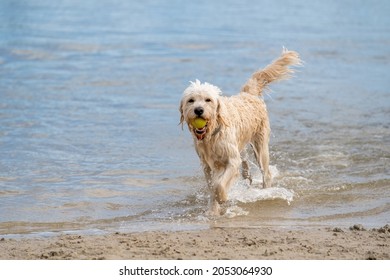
(181, 114)
(221, 113)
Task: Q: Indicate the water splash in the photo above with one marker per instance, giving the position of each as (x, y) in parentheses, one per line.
(245, 193)
(253, 194)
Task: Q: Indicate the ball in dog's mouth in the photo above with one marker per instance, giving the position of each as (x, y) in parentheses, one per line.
(200, 127)
(199, 123)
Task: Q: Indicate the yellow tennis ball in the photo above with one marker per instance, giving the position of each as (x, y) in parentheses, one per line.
(199, 123)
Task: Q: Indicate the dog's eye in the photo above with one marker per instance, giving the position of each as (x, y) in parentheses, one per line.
(191, 100)
(208, 100)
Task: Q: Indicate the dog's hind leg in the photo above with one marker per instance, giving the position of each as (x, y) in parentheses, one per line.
(207, 174)
(260, 146)
(245, 165)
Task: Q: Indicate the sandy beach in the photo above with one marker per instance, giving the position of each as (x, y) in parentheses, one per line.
(354, 242)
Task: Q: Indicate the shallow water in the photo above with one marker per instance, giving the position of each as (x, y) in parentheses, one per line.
(89, 93)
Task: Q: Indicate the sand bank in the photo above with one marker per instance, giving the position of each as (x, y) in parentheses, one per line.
(354, 242)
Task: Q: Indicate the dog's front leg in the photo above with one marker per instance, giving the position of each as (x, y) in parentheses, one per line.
(214, 208)
(224, 178)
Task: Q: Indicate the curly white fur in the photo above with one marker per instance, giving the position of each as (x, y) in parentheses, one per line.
(232, 123)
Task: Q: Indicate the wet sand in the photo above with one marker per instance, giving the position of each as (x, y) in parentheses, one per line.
(353, 242)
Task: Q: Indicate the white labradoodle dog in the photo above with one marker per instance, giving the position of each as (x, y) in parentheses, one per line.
(224, 126)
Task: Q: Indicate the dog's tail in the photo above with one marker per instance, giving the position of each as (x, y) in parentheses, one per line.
(277, 70)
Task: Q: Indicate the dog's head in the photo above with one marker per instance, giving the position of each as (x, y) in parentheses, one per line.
(201, 101)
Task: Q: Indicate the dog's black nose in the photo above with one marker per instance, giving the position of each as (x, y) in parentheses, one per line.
(198, 111)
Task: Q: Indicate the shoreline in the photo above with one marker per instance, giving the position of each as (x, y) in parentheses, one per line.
(353, 243)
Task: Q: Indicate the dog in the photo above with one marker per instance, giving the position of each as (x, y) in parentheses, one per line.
(229, 124)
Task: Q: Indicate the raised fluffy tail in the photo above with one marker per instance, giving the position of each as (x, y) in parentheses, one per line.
(277, 70)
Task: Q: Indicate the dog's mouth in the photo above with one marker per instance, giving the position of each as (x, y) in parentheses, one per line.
(200, 133)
